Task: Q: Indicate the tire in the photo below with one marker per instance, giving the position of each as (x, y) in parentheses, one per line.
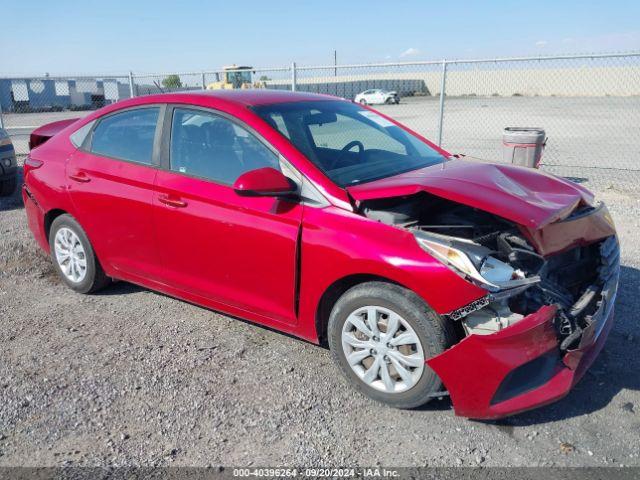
(93, 278)
(363, 101)
(433, 333)
(8, 187)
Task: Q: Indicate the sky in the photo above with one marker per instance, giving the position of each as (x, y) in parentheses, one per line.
(149, 36)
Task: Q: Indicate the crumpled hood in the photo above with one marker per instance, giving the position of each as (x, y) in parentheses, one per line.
(525, 196)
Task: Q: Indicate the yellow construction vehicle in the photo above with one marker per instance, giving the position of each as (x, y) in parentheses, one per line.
(235, 77)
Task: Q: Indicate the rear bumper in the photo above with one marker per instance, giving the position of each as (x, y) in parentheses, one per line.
(8, 171)
(8, 174)
(35, 218)
(522, 366)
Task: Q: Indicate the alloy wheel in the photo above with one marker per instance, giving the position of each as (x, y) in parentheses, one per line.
(70, 255)
(382, 349)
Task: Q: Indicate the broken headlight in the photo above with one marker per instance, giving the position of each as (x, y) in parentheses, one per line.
(472, 260)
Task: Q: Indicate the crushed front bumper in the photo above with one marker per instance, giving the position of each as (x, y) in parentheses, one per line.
(522, 367)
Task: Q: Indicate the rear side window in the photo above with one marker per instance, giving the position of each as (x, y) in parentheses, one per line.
(128, 135)
(79, 136)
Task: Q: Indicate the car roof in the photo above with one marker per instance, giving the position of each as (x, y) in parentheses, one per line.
(249, 97)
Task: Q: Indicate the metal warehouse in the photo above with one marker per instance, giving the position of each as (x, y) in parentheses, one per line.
(49, 94)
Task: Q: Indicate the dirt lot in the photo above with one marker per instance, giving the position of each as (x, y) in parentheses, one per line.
(132, 377)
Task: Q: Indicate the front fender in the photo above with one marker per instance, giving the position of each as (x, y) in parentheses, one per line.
(338, 244)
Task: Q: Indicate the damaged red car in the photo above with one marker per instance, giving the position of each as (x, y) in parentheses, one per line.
(425, 274)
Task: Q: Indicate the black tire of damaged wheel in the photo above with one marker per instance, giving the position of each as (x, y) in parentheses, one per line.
(435, 335)
(95, 279)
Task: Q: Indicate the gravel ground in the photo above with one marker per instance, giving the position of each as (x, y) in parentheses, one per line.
(132, 377)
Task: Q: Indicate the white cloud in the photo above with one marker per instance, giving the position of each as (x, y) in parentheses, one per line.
(410, 52)
(568, 40)
(541, 43)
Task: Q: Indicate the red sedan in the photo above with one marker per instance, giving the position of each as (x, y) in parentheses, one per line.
(426, 275)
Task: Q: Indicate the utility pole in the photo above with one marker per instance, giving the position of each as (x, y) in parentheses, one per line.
(443, 88)
(294, 76)
(335, 63)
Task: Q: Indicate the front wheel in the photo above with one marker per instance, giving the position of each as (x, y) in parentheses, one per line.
(73, 256)
(363, 101)
(381, 335)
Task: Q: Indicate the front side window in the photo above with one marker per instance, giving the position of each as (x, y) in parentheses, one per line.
(209, 146)
(127, 135)
(350, 144)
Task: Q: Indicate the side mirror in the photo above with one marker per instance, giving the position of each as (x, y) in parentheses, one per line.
(264, 182)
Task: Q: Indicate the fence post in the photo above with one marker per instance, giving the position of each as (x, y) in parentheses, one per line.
(204, 82)
(1, 119)
(293, 76)
(132, 87)
(443, 86)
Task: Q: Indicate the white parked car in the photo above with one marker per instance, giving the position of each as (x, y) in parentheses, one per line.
(377, 96)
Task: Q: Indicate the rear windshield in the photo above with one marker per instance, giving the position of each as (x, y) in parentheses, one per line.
(350, 144)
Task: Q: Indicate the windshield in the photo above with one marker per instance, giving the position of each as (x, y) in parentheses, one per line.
(238, 78)
(350, 144)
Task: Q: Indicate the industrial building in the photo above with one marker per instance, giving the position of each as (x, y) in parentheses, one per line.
(49, 94)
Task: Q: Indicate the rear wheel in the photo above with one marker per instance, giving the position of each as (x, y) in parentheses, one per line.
(380, 335)
(73, 256)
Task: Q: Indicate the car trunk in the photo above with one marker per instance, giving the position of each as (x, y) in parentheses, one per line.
(41, 134)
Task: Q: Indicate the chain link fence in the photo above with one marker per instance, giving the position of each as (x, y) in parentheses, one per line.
(28, 103)
(589, 105)
(418, 107)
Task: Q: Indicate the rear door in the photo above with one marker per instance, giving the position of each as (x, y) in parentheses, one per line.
(111, 179)
(235, 250)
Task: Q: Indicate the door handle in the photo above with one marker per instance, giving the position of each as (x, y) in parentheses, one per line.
(172, 201)
(79, 177)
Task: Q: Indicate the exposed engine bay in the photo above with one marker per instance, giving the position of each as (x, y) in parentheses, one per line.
(495, 254)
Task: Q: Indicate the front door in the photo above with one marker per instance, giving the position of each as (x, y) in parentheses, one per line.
(239, 251)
